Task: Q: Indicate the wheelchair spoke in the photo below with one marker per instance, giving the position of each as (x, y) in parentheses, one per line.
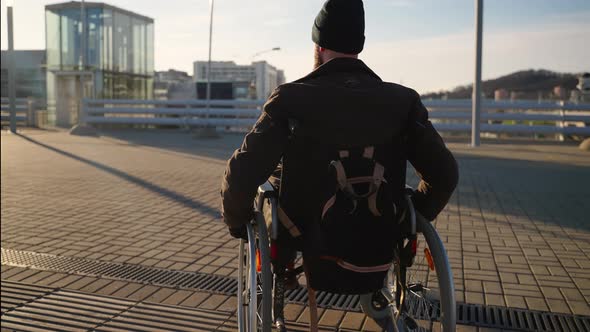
(423, 306)
(422, 298)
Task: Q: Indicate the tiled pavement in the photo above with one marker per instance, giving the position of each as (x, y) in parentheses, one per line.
(297, 316)
(516, 229)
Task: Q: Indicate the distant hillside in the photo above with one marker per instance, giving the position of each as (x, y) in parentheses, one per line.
(527, 83)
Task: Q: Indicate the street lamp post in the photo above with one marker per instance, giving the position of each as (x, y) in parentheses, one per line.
(11, 68)
(476, 98)
(83, 36)
(262, 52)
(208, 131)
(83, 42)
(266, 51)
(211, 5)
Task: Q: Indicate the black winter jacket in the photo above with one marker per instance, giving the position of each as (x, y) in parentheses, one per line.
(341, 102)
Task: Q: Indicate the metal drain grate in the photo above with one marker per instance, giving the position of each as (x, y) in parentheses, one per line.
(65, 310)
(467, 314)
(126, 272)
(159, 277)
(520, 319)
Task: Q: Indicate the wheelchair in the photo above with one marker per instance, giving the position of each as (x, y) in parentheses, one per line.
(417, 295)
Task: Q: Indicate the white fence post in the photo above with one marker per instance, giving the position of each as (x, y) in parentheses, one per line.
(561, 136)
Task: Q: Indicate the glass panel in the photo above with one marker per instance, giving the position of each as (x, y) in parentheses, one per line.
(51, 97)
(107, 40)
(122, 42)
(70, 39)
(150, 49)
(52, 39)
(139, 46)
(98, 84)
(107, 88)
(52, 44)
(136, 88)
(94, 46)
(121, 86)
(149, 88)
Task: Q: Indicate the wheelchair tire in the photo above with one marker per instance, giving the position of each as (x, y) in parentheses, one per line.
(255, 280)
(430, 302)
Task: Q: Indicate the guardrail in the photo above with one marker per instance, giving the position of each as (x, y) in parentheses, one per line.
(22, 108)
(29, 112)
(447, 115)
(515, 117)
(183, 113)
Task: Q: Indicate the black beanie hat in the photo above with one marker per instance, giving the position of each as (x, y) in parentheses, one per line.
(340, 26)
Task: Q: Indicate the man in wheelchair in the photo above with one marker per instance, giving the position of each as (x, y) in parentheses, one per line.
(335, 144)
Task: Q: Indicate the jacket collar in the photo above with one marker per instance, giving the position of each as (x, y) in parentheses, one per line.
(339, 65)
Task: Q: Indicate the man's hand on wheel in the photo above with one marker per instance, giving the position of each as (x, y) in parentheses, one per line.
(239, 232)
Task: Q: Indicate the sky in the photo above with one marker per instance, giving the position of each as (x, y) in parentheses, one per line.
(424, 44)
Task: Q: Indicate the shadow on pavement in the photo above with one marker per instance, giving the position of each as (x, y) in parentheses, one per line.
(186, 201)
(179, 141)
(547, 182)
(548, 191)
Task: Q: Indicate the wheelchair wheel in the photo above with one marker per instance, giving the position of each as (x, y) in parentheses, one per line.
(255, 280)
(429, 297)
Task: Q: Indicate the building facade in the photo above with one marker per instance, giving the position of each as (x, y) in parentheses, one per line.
(260, 76)
(114, 59)
(30, 74)
(173, 85)
(559, 92)
(584, 87)
(501, 94)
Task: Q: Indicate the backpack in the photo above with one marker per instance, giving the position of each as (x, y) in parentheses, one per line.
(356, 232)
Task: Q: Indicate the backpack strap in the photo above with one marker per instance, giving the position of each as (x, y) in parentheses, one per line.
(313, 305)
(359, 269)
(328, 205)
(289, 225)
(345, 184)
(342, 179)
(378, 173)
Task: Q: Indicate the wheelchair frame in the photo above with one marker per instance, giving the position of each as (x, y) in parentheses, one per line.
(261, 292)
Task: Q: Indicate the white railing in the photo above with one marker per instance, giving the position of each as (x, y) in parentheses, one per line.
(447, 115)
(529, 117)
(193, 113)
(29, 111)
(22, 108)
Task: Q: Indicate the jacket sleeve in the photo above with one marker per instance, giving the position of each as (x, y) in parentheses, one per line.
(433, 162)
(253, 163)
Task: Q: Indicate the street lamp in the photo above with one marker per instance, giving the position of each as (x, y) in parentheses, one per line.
(82, 35)
(266, 51)
(83, 47)
(11, 67)
(208, 131)
(211, 5)
(476, 97)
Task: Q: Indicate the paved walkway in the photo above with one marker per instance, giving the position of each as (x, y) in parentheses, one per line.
(517, 228)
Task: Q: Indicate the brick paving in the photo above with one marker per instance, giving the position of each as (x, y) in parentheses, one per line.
(516, 229)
